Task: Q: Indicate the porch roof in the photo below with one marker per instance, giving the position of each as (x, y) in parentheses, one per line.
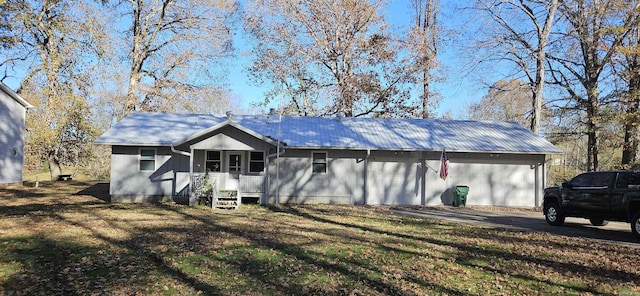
(164, 129)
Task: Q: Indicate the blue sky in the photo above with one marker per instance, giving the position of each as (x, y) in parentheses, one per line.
(457, 90)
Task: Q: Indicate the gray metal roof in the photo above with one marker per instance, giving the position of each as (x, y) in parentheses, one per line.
(14, 95)
(337, 133)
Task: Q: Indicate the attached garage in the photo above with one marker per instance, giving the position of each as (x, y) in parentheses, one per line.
(395, 181)
(282, 159)
(510, 183)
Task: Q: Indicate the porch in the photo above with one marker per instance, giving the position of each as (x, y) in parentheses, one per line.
(225, 177)
(207, 187)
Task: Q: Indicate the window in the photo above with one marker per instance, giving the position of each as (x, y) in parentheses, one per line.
(147, 159)
(256, 162)
(213, 162)
(628, 180)
(319, 162)
(583, 180)
(602, 179)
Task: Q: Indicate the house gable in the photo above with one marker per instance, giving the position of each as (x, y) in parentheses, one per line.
(228, 137)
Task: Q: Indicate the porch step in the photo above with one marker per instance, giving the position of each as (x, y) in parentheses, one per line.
(227, 200)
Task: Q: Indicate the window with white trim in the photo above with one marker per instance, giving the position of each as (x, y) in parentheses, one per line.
(319, 162)
(256, 162)
(147, 160)
(213, 161)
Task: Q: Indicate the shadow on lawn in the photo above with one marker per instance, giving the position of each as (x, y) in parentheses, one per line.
(151, 250)
(277, 280)
(18, 192)
(37, 264)
(98, 190)
(54, 267)
(468, 253)
(507, 220)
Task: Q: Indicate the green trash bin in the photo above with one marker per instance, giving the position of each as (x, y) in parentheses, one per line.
(460, 196)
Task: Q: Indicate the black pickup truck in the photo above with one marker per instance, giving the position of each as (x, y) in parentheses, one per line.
(597, 196)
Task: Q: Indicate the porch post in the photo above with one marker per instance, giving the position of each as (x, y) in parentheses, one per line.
(365, 191)
(264, 198)
(538, 184)
(191, 177)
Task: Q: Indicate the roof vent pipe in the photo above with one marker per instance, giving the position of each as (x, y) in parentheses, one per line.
(272, 111)
(229, 115)
(340, 116)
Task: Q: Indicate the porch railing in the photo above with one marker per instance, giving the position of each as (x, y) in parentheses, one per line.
(251, 184)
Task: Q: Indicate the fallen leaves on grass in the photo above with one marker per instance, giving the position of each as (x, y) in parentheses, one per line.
(55, 241)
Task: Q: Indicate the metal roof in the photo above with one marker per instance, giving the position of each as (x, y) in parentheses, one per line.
(14, 95)
(165, 129)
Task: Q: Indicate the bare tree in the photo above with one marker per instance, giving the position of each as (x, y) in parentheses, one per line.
(173, 44)
(57, 41)
(596, 29)
(629, 62)
(522, 36)
(507, 100)
(424, 40)
(337, 49)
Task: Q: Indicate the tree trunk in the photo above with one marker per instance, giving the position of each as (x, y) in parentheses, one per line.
(592, 127)
(54, 167)
(130, 104)
(425, 93)
(537, 93)
(630, 146)
(541, 58)
(139, 53)
(426, 22)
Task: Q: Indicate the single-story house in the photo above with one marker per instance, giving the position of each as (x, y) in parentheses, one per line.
(284, 159)
(13, 110)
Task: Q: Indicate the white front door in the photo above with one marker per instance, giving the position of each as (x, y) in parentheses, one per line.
(235, 165)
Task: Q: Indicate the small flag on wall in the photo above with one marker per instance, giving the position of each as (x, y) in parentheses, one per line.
(444, 166)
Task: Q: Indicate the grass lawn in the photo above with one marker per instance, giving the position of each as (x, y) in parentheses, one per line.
(62, 238)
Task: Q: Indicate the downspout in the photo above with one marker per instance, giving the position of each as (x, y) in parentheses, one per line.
(174, 150)
(366, 177)
(279, 152)
(537, 185)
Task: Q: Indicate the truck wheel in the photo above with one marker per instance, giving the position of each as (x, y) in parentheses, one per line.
(598, 222)
(553, 214)
(635, 225)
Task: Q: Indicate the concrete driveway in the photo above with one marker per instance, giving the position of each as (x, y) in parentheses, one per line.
(524, 220)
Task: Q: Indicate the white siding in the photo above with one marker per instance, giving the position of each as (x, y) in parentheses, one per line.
(394, 181)
(342, 183)
(495, 184)
(492, 182)
(229, 138)
(12, 127)
(128, 183)
(181, 169)
(402, 178)
(406, 179)
(436, 189)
